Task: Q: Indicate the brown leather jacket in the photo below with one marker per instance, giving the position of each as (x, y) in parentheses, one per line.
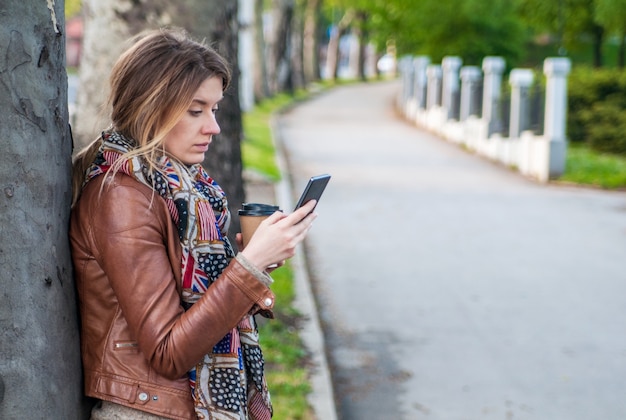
(137, 342)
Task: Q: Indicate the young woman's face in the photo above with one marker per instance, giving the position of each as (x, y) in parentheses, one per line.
(190, 138)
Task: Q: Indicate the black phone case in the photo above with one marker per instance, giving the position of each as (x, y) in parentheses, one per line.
(313, 190)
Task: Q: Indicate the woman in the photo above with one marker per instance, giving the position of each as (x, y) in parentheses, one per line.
(167, 308)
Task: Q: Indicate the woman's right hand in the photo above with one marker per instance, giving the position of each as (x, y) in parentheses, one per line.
(276, 238)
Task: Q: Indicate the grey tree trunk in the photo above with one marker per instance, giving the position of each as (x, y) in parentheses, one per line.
(332, 54)
(261, 83)
(310, 41)
(40, 370)
(282, 79)
(108, 25)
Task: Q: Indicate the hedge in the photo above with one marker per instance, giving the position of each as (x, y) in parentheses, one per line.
(597, 109)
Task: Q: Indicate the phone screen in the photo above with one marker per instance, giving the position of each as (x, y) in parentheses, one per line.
(313, 190)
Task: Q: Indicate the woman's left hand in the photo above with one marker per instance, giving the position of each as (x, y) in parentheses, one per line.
(269, 269)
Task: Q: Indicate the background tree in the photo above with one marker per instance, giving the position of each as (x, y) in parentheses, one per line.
(261, 78)
(311, 39)
(281, 72)
(572, 21)
(611, 14)
(40, 372)
(471, 29)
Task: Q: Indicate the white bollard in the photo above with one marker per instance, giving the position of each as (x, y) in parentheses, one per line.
(556, 71)
(470, 79)
(450, 85)
(433, 91)
(493, 67)
(420, 63)
(520, 80)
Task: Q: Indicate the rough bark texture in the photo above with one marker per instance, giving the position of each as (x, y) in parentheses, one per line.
(108, 26)
(40, 371)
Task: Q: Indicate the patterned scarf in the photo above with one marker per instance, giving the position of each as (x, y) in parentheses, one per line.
(228, 383)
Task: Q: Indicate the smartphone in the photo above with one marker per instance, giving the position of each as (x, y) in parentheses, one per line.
(313, 190)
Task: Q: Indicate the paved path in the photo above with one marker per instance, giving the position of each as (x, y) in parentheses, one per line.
(452, 288)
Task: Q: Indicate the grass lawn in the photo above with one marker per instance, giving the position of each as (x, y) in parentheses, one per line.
(586, 167)
(257, 147)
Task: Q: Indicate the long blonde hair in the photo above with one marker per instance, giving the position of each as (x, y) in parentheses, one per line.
(152, 86)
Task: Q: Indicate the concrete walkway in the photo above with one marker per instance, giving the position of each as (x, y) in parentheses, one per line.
(451, 288)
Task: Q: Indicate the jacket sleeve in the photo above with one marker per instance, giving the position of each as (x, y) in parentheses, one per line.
(130, 228)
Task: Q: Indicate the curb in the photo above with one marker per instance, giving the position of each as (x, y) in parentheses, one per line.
(321, 398)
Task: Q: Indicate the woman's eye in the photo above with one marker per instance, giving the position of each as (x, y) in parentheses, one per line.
(195, 112)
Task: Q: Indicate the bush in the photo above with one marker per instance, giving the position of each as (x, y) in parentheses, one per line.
(607, 126)
(597, 108)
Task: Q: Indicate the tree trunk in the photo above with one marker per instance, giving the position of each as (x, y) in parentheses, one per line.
(332, 54)
(363, 39)
(621, 54)
(310, 41)
(283, 70)
(108, 24)
(598, 39)
(296, 44)
(261, 85)
(216, 21)
(40, 370)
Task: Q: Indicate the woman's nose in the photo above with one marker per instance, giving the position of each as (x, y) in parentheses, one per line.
(211, 126)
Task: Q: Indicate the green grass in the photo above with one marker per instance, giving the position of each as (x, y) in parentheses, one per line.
(285, 355)
(257, 149)
(587, 167)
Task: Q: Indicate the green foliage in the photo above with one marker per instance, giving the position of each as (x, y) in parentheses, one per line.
(597, 109)
(72, 7)
(611, 14)
(584, 166)
(471, 29)
(607, 125)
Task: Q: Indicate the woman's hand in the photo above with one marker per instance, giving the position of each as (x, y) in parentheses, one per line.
(276, 238)
(268, 269)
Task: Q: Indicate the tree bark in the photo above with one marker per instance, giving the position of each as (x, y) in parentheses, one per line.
(621, 54)
(40, 370)
(261, 83)
(363, 37)
(310, 41)
(282, 80)
(598, 40)
(108, 24)
(332, 54)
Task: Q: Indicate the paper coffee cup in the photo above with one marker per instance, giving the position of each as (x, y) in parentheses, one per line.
(251, 215)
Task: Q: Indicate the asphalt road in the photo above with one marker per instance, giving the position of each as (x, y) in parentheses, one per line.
(450, 287)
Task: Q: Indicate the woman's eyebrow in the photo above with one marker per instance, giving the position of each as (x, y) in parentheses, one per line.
(203, 102)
